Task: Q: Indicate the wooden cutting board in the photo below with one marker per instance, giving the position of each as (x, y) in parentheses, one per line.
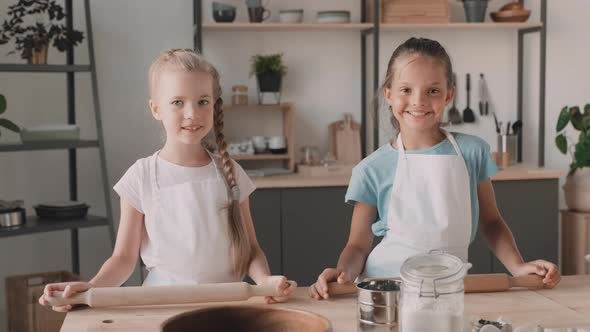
(345, 140)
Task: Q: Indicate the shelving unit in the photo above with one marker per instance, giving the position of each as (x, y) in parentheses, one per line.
(34, 224)
(374, 30)
(287, 110)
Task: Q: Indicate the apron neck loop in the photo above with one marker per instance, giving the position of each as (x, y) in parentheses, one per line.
(449, 136)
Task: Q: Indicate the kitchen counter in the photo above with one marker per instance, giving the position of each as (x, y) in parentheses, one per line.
(566, 306)
(516, 172)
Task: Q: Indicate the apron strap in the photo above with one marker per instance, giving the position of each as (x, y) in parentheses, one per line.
(449, 136)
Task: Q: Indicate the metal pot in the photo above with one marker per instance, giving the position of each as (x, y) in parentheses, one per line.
(12, 217)
(378, 301)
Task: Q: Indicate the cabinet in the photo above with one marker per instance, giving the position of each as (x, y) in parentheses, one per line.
(34, 224)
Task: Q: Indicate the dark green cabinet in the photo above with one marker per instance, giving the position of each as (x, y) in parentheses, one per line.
(303, 230)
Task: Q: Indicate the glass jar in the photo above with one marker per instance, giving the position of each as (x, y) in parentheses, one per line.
(240, 95)
(432, 293)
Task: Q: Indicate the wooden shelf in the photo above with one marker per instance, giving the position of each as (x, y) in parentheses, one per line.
(364, 26)
(286, 26)
(262, 157)
(36, 225)
(23, 68)
(458, 25)
(48, 145)
(256, 107)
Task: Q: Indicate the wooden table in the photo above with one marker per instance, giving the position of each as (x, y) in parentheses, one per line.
(566, 306)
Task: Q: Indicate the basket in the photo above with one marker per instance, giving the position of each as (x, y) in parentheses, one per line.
(25, 314)
(411, 11)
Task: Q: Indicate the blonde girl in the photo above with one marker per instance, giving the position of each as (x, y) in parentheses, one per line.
(185, 209)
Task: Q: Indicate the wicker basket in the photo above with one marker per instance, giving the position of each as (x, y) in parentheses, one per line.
(411, 11)
(25, 314)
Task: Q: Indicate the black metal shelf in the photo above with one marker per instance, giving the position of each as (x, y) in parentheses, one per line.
(48, 145)
(28, 68)
(36, 225)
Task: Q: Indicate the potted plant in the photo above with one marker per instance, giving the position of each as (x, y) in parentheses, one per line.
(5, 122)
(269, 71)
(34, 25)
(577, 185)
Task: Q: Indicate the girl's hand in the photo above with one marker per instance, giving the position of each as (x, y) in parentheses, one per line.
(282, 285)
(319, 290)
(543, 268)
(68, 289)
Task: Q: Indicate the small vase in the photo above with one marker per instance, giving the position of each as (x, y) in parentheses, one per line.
(577, 190)
(475, 10)
(39, 57)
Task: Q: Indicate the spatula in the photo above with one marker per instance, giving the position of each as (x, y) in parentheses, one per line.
(454, 115)
(474, 283)
(160, 295)
(468, 115)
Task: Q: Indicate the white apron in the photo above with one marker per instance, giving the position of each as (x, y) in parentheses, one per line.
(429, 208)
(189, 232)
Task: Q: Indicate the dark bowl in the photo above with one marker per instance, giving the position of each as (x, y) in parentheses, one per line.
(247, 319)
(224, 15)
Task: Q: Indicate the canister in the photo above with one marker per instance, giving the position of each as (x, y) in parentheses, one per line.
(377, 304)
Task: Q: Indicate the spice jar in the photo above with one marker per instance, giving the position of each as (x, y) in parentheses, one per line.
(240, 95)
(432, 293)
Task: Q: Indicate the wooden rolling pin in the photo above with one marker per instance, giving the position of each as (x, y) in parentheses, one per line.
(474, 283)
(159, 295)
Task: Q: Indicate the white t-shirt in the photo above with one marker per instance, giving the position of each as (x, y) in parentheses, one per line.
(135, 185)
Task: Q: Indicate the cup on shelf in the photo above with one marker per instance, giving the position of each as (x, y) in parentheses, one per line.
(260, 144)
(277, 144)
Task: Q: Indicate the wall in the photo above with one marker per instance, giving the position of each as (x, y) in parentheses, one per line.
(323, 82)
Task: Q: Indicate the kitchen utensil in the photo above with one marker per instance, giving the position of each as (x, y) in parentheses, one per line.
(277, 144)
(258, 14)
(483, 96)
(345, 140)
(496, 122)
(247, 318)
(160, 295)
(454, 115)
(508, 128)
(333, 16)
(474, 283)
(377, 304)
(311, 155)
(12, 217)
(507, 149)
(468, 115)
(516, 127)
(62, 210)
(224, 15)
(260, 144)
(291, 16)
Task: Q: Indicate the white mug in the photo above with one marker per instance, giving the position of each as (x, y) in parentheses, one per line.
(277, 142)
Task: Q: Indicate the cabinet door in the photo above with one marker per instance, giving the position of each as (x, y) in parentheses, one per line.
(265, 206)
(316, 224)
(480, 256)
(530, 208)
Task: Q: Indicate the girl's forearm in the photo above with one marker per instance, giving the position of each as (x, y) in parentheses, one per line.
(258, 269)
(352, 260)
(501, 242)
(114, 272)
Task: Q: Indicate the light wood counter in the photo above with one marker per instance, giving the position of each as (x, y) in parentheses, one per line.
(566, 306)
(517, 172)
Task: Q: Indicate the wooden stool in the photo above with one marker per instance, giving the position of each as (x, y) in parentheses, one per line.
(575, 242)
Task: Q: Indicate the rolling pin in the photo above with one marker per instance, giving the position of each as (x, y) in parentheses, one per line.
(474, 283)
(159, 295)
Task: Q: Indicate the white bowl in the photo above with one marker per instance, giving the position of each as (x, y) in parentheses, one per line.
(291, 16)
(333, 17)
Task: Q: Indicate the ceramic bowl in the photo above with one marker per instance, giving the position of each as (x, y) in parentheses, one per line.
(291, 16)
(510, 15)
(224, 15)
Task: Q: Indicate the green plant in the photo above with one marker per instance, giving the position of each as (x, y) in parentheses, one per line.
(581, 122)
(265, 64)
(5, 122)
(43, 27)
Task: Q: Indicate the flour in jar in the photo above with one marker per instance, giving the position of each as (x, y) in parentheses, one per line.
(413, 320)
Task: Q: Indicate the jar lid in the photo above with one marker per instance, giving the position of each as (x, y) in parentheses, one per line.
(427, 271)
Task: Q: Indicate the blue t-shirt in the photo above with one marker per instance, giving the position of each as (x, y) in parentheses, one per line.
(372, 179)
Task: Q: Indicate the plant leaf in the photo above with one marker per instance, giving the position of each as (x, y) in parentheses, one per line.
(2, 104)
(9, 125)
(576, 117)
(587, 109)
(563, 119)
(561, 143)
